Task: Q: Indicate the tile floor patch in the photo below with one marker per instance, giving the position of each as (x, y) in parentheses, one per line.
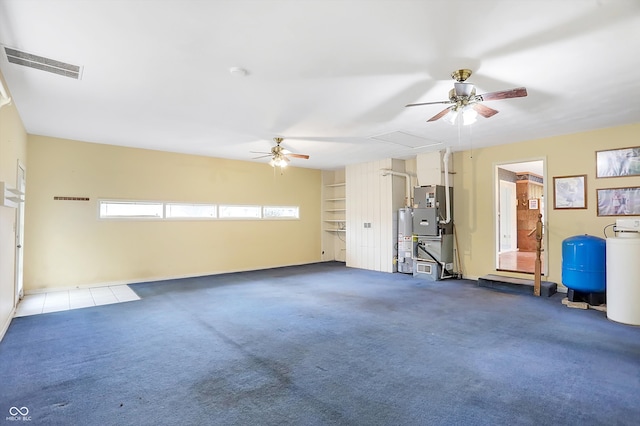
(55, 301)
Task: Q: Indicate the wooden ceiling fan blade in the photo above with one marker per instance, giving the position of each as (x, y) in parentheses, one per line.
(484, 111)
(429, 103)
(519, 92)
(306, 157)
(440, 114)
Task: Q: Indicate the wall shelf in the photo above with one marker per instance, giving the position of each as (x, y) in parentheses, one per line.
(11, 197)
(334, 207)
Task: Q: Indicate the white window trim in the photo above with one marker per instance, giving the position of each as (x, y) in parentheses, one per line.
(189, 218)
(259, 207)
(120, 218)
(163, 217)
(265, 217)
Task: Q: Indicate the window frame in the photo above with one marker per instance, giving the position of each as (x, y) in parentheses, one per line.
(131, 202)
(296, 217)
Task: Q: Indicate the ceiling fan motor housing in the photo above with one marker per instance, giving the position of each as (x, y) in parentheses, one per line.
(463, 89)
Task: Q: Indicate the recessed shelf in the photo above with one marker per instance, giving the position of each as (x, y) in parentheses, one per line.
(336, 230)
(335, 199)
(11, 197)
(335, 220)
(335, 185)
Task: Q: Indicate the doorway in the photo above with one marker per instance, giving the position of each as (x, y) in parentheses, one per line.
(520, 189)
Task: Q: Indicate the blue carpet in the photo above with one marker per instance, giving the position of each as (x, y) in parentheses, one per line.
(322, 344)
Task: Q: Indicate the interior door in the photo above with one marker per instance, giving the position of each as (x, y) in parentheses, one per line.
(21, 185)
(507, 217)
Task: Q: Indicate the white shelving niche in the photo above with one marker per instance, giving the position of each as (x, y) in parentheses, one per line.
(11, 197)
(334, 216)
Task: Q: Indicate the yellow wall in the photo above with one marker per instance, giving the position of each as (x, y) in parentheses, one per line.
(565, 156)
(66, 245)
(13, 148)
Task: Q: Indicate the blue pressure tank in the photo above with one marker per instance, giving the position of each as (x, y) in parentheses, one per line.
(584, 264)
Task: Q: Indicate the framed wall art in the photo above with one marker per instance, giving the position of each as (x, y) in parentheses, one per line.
(618, 162)
(570, 192)
(619, 201)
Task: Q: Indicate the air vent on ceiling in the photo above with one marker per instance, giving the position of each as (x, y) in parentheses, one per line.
(41, 63)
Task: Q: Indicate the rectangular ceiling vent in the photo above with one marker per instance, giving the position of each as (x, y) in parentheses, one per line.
(41, 63)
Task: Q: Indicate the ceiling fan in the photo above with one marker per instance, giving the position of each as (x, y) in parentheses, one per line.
(279, 155)
(465, 101)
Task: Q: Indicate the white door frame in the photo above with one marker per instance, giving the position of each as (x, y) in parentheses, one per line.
(19, 257)
(543, 208)
(507, 209)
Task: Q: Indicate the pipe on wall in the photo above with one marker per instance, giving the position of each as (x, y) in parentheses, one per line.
(407, 177)
(447, 197)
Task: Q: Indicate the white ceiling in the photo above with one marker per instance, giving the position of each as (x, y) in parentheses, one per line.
(325, 75)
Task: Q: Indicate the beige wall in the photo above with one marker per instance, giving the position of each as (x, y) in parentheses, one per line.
(565, 155)
(66, 245)
(13, 148)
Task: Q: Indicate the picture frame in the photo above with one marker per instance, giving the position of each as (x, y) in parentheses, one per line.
(570, 192)
(619, 201)
(618, 162)
(533, 204)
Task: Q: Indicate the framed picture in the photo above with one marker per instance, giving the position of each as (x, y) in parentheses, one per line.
(533, 204)
(618, 162)
(570, 192)
(619, 201)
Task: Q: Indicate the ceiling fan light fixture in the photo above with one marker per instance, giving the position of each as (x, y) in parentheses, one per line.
(278, 161)
(469, 115)
(451, 116)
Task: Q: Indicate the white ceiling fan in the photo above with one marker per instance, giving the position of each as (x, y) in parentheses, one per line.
(464, 101)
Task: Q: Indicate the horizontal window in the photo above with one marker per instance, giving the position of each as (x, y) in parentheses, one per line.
(130, 209)
(190, 211)
(240, 212)
(288, 212)
(137, 209)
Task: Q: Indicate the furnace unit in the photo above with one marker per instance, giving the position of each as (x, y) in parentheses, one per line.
(431, 255)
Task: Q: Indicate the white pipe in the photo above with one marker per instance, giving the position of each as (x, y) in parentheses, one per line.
(407, 177)
(445, 161)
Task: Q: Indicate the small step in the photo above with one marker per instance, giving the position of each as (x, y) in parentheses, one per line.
(518, 285)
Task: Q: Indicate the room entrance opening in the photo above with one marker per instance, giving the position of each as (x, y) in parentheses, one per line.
(519, 198)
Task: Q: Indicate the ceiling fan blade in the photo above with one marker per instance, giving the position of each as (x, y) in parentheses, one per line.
(262, 156)
(306, 157)
(439, 115)
(519, 92)
(430, 103)
(259, 152)
(485, 111)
